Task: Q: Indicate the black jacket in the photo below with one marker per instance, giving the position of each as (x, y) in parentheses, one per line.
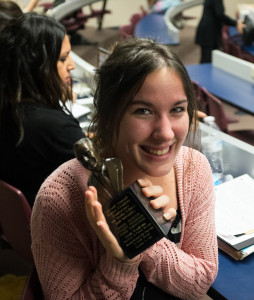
(49, 135)
(213, 18)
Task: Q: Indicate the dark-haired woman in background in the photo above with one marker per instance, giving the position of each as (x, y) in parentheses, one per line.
(36, 133)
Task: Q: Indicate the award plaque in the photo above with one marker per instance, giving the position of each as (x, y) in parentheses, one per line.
(131, 218)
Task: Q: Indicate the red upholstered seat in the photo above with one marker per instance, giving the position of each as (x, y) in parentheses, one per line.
(213, 106)
(15, 214)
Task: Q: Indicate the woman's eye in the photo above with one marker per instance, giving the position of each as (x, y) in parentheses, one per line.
(178, 109)
(62, 59)
(142, 111)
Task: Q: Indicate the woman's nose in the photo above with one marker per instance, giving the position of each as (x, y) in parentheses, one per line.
(71, 64)
(163, 128)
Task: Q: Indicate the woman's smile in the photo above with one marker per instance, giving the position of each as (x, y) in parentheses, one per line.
(154, 125)
(155, 151)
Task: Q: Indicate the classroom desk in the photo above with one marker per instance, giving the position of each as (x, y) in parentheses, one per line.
(153, 26)
(229, 88)
(234, 280)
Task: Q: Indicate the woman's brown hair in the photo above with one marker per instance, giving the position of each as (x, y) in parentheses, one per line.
(119, 79)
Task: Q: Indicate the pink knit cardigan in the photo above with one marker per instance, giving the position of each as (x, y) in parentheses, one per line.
(72, 263)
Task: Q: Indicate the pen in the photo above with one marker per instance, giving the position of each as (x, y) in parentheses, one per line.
(245, 233)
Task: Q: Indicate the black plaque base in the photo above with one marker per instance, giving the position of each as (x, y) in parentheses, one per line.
(134, 222)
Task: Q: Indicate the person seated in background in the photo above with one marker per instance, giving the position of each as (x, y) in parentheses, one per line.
(36, 132)
(144, 109)
(209, 30)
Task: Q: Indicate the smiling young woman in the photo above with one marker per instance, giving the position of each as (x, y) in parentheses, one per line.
(144, 110)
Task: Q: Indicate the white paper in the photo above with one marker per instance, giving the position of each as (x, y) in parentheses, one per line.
(77, 109)
(234, 208)
(233, 240)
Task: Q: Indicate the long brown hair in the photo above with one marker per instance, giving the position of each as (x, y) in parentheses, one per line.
(30, 47)
(119, 79)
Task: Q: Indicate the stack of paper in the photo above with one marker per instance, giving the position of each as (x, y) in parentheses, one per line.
(234, 216)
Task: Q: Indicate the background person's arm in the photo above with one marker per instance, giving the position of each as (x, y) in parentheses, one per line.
(31, 5)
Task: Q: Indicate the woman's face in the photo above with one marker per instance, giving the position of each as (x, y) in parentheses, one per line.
(65, 63)
(154, 126)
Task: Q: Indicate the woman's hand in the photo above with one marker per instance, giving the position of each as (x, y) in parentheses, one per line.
(240, 26)
(160, 201)
(99, 224)
(201, 114)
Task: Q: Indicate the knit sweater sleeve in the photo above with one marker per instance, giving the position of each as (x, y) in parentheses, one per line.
(188, 270)
(70, 260)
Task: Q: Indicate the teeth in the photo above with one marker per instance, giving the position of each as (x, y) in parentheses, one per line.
(158, 152)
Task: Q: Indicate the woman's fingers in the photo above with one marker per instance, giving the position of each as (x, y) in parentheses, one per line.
(152, 191)
(98, 221)
(90, 197)
(148, 189)
(93, 207)
(170, 214)
(143, 182)
(160, 202)
(163, 202)
(201, 114)
(98, 213)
